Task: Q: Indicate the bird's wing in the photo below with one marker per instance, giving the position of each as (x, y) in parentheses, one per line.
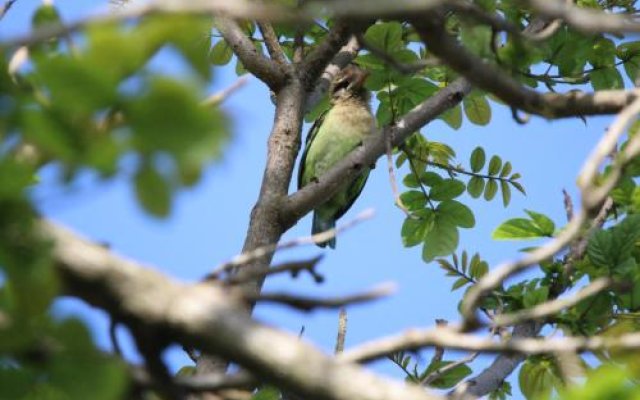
(353, 192)
(310, 136)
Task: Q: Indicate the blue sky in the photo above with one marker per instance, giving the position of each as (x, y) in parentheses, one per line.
(208, 223)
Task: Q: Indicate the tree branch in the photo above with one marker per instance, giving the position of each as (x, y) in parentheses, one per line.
(273, 44)
(488, 77)
(552, 307)
(262, 67)
(593, 195)
(188, 314)
(585, 19)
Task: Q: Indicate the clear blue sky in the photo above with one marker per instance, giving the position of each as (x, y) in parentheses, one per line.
(208, 223)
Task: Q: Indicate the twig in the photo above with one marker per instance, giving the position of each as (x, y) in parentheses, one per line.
(568, 204)
(592, 197)
(6, 7)
(451, 338)
(438, 352)
(403, 68)
(552, 307)
(585, 19)
(200, 383)
(113, 336)
(245, 258)
(310, 303)
(392, 178)
(293, 267)
(342, 331)
(217, 98)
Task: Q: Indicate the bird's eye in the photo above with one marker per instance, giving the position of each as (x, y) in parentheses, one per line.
(341, 84)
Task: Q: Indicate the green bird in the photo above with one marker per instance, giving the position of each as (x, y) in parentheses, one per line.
(334, 135)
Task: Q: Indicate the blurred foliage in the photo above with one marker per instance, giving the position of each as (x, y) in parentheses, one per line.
(97, 100)
(93, 101)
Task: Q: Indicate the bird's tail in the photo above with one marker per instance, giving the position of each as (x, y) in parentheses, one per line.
(320, 225)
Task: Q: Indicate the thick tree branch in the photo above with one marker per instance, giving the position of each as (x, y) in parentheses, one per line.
(267, 70)
(304, 200)
(189, 314)
(491, 78)
(585, 19)
(273, 44)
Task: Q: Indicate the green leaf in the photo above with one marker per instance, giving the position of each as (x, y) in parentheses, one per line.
(517, 228)
(506, 169)
(460, 282)
(479, 269)
(632, 68)
(413, 199)
(477, 109)
(456, 213)
(538, 377)
(478, 159)
(446, 189)
(411, 181)
(453, 117)
(490, 190)
(606, 78)
(430, 179)
(220, 53)
(451, 377)
(441, 240)
(600, 247)
(475, 187)
(385, 36)
(414, 228)
(506, 193)
(494, 165)
(536, 296)
(267, 393)
(546, 225)
(153, 191)
(518, 186)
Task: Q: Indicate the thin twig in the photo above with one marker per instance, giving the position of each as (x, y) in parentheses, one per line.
(568, 204)
(292, 267)
(552, 307)
(6, 7)
(452, 339)
(403, 68)
(342, 331)
(592, 197)
(305, 303)
(218, 97)
(245, 258)
(113, 336)
(200, 383)
(392, 178)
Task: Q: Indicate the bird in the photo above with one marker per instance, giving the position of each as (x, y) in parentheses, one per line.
(336, 133)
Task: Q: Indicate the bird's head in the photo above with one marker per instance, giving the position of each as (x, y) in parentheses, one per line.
(349, 84)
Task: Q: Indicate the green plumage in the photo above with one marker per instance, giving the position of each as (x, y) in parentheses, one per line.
(340, 130)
